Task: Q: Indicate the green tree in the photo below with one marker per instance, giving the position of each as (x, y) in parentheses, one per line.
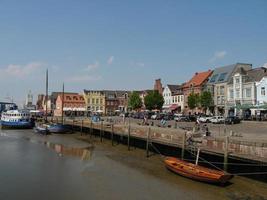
(206, 100)
(193, 100)
(135, 102)
(154, 100)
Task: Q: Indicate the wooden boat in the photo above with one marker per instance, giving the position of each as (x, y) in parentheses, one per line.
(196, 172)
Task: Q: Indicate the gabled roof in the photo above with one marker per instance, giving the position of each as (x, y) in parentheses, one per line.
(198, 79)
(223, 74)
(257, 74)
(175, 89)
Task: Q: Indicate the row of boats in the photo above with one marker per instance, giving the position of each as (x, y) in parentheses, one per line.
(21, 119)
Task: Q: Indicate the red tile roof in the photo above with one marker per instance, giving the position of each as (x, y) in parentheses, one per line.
(198, 79)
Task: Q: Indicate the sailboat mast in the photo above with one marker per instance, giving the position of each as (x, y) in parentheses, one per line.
(62, 105)
(46, 95)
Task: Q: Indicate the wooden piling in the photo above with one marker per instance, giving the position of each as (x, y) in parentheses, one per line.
(183, 145)
(91, 129)
(101, 131)
(129, 135)
(72, 125)
(225, 162)
(82, 127)
(112, 134)
(147, 142)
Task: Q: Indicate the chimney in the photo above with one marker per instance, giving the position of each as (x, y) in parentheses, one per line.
(158, 86)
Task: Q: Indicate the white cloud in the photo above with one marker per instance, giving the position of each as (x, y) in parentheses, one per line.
(265, 65)
(85, 78)
(217, 56)
(20, 71)
(93, 66)
(110, 60)
(138, 64)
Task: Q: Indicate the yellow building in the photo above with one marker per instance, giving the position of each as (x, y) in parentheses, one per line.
(94, 101)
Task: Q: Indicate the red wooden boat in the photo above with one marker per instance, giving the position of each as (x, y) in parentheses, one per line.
(196, 172)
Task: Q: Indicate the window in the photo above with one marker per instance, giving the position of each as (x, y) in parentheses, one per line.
(237, 93)
(231, 93)
(262, 91)
(96, 101)
(93, 101)
(237, 80)
(248, 92)
(213, 78)
(218, 100)
(222, 100)
(221, 90)
(222, 77)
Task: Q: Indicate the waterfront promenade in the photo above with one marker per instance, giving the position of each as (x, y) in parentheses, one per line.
(224, 141)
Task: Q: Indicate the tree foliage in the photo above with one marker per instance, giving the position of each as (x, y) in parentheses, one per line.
(206, 100)
(154, 100)
(135, 102)
(193, 100)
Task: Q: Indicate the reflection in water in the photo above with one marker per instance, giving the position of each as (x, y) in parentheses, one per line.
(83, 153)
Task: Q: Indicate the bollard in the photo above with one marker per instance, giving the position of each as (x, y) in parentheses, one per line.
(225, 162)
(183, 145)
(147, 142)
(129, 135)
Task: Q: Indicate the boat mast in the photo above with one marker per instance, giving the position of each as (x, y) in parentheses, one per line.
(46, 95)
(198, 150)
(62, 105)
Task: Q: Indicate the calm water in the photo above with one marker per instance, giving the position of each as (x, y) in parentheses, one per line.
(38, 167)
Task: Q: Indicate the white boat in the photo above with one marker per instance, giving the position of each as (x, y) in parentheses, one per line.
(16, 119)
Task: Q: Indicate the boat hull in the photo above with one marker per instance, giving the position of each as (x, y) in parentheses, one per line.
(17, 125)
(58, 128)
(196, 172)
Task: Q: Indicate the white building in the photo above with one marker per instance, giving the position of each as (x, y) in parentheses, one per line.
(173, 98)
(242, 93)
(261, 88)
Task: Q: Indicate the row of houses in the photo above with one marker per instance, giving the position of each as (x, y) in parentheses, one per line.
(237, 89)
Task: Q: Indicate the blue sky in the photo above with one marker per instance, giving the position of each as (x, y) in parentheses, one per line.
(123, 44)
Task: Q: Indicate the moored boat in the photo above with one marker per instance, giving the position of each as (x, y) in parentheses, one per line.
(58, 128)
(196, 172)
(16, 119)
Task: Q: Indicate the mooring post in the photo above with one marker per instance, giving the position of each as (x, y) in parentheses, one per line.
(183, 145)
(129, 135)
(101, 130)
(225, 162)
(82, 127)
(147, 142)
(91, 129)
(72, 125)
(112, 134)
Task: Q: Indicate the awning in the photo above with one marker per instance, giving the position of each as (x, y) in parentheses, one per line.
(173, 107)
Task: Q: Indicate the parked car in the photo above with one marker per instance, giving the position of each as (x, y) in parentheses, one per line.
(176, 116)
(168, 116)
(182, 118)
(232, 120)
(204, 119)
(217, 120)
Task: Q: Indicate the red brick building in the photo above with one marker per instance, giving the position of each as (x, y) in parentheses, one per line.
(195, 85)
(74, 105)
(158, 86)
